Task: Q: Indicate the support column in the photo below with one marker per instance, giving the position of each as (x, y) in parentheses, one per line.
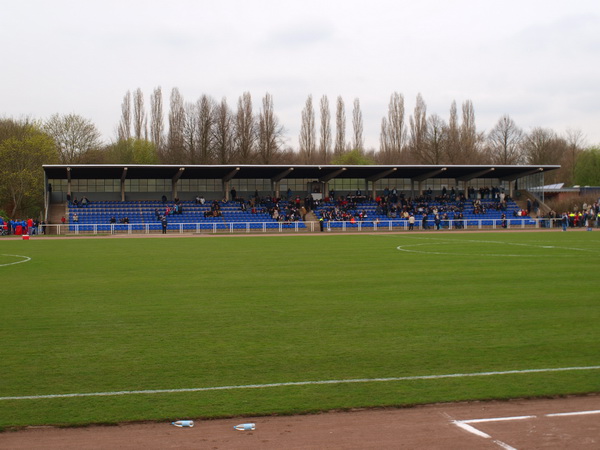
(225, 190)
(69, 182)
(173, 189)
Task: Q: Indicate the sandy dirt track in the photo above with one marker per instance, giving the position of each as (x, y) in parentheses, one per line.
(422, 427)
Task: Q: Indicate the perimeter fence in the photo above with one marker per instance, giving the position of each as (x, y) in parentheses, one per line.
(369, 226)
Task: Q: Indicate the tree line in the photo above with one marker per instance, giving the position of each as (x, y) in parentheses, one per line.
(207, 131)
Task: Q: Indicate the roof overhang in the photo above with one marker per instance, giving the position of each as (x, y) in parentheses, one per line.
(277, 172)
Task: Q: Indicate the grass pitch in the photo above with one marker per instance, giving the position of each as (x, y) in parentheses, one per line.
(106, 315)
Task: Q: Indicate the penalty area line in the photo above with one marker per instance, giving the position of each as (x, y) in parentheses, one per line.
(297, 383)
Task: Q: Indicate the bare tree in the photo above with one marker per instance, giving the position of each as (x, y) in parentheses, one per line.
(74, 136)
(470, 140)
(140, 129)
(205, 108)
(418, 129)
(245, 130)
(157, 127)
(575, 146)
(175, 139)
(452, 137)
(191, 131)
(340, 128)
(124, 129)
(433, 150)
(223, 133)
(270, 132)
(307, 132)
(357, 126)
(504, 142)
(384, 142)
(325, 137)
(396, 127)
(543, 146)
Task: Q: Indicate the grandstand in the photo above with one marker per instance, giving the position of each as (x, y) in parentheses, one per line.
(491, 217)
(136, 192)
(144, 216)
(139, 216)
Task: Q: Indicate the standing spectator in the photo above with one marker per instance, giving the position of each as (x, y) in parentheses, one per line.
(164, 223)
(565, 221)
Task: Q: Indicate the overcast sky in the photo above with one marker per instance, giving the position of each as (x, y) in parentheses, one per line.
(537, 61)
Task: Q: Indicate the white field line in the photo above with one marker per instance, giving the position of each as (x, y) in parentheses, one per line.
(497, 419)
(25, 259)
(466, 424)
(462, 424)
(297, 383)
(504, 445)
(433, 241)
(577, 413)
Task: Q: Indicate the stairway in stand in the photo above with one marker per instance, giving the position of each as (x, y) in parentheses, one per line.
(55, 214)
(311, 217)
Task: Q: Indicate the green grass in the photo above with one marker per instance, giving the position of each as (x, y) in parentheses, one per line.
(103, 315)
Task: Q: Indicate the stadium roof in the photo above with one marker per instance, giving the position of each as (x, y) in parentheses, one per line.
(278, 172)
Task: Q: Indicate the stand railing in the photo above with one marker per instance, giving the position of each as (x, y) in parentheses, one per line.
(75, 229)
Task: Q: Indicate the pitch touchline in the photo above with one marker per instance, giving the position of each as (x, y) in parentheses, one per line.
(296, 383)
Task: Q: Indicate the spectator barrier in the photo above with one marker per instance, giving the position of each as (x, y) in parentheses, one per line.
(211, 228)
